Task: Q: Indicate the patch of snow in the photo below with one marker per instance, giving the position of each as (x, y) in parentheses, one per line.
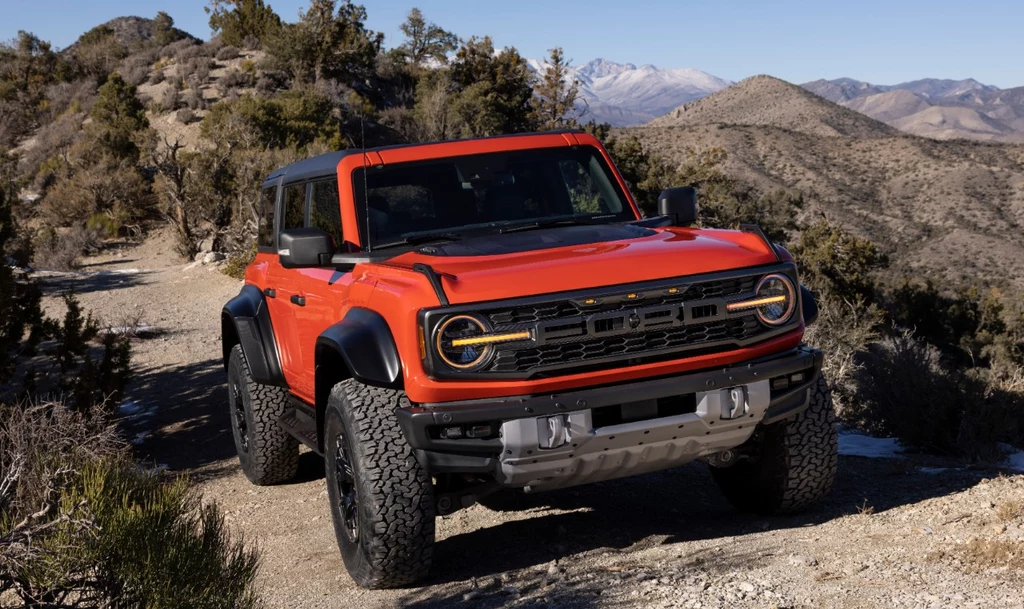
(140, 437)
(934, 470)
(88, 273)
(1015, 461)
(859, 445)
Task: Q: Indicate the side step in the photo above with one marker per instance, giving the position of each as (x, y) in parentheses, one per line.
(299, 422)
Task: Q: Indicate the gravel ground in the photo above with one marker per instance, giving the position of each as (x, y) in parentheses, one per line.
(908, 532)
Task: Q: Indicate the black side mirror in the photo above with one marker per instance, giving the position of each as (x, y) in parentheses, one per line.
(304, 247)
(679, 205)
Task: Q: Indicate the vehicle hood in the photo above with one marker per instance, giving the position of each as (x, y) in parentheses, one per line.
(553, 260)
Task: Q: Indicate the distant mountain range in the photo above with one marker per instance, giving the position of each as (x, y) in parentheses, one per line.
(940, 109)
(623, 94)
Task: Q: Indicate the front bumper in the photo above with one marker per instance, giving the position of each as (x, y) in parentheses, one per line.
(593, 451)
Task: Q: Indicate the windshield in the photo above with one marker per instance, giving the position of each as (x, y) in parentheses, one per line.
(454, 197)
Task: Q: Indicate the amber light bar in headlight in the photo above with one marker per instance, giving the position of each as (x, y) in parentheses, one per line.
(757, 302)
(490, 339)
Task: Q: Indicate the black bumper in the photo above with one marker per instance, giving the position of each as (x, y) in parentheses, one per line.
(471, 455)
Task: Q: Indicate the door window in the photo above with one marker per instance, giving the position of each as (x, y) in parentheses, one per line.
(324, 209)
(294, 206)
(265, 234)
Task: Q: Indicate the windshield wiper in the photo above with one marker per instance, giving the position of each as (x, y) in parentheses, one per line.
(589, 221)
(418, 239)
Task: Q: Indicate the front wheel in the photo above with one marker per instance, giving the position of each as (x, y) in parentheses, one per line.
(793, 461)
(382, 501)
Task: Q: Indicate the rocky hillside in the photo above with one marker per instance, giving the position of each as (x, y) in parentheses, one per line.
(952, 209)
(770, 102)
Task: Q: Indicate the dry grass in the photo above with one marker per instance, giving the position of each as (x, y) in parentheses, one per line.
(981, 554)
(1009, 510)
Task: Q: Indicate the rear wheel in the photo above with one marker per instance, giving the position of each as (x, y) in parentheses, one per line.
(382, 501)
(793, 463)
(267, 453)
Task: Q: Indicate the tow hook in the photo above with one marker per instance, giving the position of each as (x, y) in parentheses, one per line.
(726, 458)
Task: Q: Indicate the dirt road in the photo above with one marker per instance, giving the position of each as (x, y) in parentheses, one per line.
(893, 533)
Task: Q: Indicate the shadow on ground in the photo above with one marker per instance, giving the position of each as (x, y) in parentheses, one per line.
(659, 509)
(84, 283)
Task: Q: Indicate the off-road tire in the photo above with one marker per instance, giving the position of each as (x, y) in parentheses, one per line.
(794, 462)
(394, 499)
(267, 453)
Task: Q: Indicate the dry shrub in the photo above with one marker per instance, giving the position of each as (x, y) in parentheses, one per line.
(981, 554)
(168, 100)
(1008, 510)
(156, 77)
(906, 391)
(81, 524)
(842, 331)
(74, 96)
(232, 80)
(60, 250)
(227, 53)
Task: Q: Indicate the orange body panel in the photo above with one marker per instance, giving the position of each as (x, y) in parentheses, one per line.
(397, 293)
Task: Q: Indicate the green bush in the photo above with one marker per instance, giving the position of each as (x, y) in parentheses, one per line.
(110, 533)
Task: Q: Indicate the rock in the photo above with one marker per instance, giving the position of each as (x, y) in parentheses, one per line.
(511, 591)
(746, 587)
(206, 245)
(212, 257)
(802, 560)
(471, 595)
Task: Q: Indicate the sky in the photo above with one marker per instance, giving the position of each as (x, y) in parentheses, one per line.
(882, 42)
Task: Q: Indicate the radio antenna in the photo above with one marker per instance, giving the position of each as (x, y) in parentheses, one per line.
(366, 189)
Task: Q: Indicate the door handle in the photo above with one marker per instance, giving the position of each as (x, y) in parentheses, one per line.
(298, 300)
(270, 292)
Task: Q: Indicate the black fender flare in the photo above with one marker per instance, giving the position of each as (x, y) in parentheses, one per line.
(245, 320)
(360, 346)
(808, 305)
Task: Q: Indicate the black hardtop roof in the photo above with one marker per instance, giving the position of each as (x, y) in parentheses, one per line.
(324, 165)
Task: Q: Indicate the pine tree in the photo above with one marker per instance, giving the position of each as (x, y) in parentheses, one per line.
(163, 29)
(426, 40)
(495, 90)
(119, 116)
(557, 95)
(329, 41)
(243, 23)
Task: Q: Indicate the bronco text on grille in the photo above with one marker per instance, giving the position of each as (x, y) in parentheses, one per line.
(633, 324)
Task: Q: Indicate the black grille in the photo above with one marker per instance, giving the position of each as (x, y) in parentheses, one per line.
(513, 360)
(525, 314)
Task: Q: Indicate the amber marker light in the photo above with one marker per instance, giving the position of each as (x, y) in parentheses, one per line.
(490, 339)
(750, 304)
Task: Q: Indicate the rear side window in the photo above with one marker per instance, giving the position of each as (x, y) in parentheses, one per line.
(294, 206)
(324, 209)
(265, 234)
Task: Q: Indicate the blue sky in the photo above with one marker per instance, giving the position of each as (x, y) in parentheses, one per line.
(880, 42)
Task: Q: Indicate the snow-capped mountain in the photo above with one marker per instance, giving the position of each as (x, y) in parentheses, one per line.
(623, 94)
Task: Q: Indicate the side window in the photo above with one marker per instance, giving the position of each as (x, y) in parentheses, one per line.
(325, 210)
(265, 234)
(294, 206)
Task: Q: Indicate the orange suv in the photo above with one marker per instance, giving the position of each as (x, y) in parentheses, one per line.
(451, 320)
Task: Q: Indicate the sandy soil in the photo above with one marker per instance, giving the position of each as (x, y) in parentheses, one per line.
(893, 533)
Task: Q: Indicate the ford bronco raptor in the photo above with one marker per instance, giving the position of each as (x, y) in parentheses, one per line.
(445, 321)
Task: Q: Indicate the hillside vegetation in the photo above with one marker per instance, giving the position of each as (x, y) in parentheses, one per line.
(949, 209)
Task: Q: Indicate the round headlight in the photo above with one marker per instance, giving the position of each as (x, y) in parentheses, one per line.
(462, 357)
(778, 299)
